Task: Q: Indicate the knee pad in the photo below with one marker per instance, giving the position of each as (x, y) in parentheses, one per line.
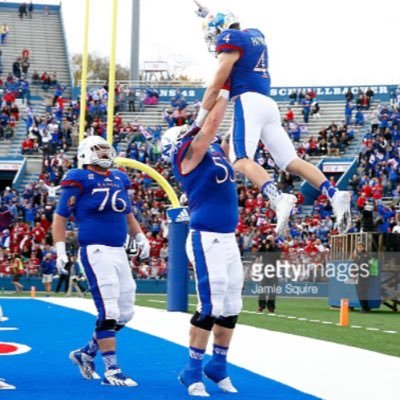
(227, 322)
(106, 325)
(119, 326)
(205, 322)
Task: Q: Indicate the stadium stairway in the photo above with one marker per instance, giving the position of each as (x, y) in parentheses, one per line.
(25, 181)
(42, 35)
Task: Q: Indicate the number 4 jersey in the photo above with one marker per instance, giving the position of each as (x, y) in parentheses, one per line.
(99, 203)
(250, 72)
(210, 189)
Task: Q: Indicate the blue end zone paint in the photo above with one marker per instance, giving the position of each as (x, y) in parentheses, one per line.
(46, 373)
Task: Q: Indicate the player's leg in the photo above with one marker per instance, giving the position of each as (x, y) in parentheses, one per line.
(216, 368)
(246, 134)
(104, 286)
(126, 302)
(284, 154)
(340, 200)
(253, 112)
(207, 258)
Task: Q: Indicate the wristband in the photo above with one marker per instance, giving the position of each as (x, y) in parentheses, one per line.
(60, 248)
(224, 93)
(201, 116)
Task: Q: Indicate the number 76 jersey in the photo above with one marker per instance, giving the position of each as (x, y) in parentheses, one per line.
(99, 203)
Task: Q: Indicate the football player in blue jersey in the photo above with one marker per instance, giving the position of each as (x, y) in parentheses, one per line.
(201, 167)
(243, 69)
(97, 196)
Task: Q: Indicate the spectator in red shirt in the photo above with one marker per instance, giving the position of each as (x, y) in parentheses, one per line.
(361, 201)
(289, 117)
(27, 146)
(38, 233)
(250, 202)
(367, 190)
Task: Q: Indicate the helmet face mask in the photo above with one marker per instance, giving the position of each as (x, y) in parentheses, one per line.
(215, 25)
(94, 150)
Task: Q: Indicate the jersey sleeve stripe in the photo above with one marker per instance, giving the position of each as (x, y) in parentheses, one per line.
(229, 47)
(71, 183)
(181, 154)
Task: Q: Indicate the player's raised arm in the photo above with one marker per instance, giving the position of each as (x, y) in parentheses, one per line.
(226, 61)
(201, 142)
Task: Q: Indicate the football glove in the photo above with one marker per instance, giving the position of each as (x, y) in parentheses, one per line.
(143, 245)
(62, 258)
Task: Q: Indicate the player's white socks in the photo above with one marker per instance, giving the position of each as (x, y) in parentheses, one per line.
(271, 191)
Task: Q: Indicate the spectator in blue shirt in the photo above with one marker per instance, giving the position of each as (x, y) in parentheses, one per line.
(47, 267)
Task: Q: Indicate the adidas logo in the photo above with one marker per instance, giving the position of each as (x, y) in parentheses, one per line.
(183, 216)
(215, 241)
(107, 180)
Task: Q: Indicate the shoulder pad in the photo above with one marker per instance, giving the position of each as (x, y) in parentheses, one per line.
(74, 178)
(180, 149)
(230, 40)
(123, 176)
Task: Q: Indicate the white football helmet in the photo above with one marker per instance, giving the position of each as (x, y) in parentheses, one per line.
(94, 150)
(170, 139)
(216, 24)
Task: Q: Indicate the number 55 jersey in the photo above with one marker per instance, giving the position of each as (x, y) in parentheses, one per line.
(99, 203)
(210, 188)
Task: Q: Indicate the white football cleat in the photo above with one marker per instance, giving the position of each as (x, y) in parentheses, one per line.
(197, 389)
(226, 385)
(283, 207)
(85, 364)
(114, 377)
(340, 202)
(6, 386)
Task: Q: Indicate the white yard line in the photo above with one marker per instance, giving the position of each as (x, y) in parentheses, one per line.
(323, 369)
(371, 329)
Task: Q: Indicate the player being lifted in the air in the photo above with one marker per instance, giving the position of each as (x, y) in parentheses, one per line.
(98, 198)
(243, 70)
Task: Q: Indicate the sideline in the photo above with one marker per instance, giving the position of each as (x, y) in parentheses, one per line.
(323, 369)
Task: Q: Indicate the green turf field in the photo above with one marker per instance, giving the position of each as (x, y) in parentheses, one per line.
(312, 310)
(377, 331)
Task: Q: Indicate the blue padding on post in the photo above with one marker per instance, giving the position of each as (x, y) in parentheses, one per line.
(177, 274)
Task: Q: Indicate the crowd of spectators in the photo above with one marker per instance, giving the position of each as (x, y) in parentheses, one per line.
(308, 235)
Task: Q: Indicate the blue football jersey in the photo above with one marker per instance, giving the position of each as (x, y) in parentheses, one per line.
(210, 188)
(99, 203)
(250, 72)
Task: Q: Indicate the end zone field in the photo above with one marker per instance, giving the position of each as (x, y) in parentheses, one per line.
(264, 363)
